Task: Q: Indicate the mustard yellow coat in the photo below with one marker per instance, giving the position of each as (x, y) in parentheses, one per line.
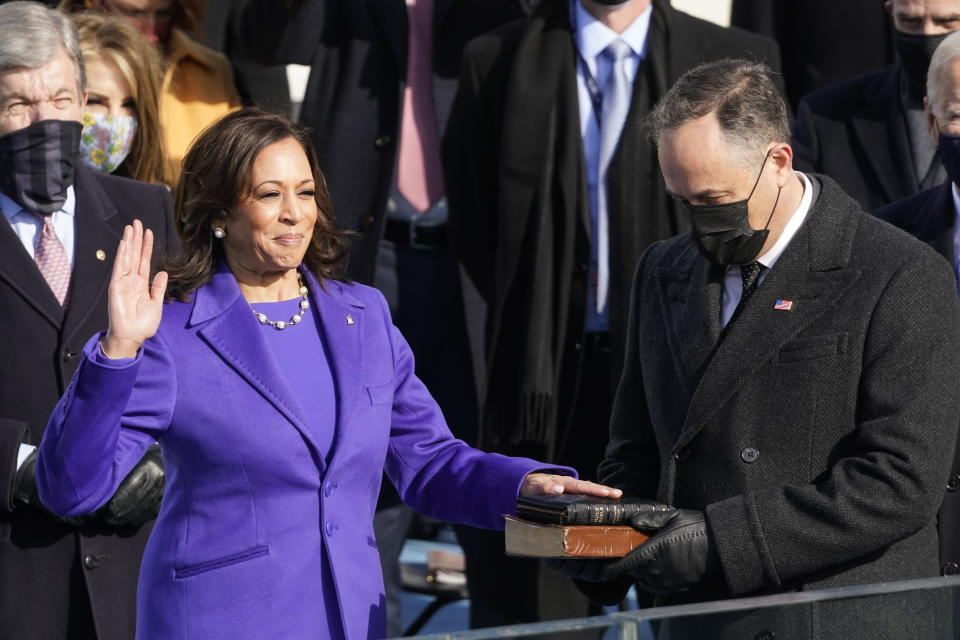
(197, 89)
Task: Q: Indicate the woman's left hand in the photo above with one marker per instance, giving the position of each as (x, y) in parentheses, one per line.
(548, 483)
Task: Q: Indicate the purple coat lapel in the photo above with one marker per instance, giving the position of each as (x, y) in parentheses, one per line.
(234, 333)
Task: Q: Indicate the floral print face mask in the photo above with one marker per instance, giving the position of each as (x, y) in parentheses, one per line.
(106, 140)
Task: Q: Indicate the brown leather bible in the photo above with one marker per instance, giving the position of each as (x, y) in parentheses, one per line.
(538, 540)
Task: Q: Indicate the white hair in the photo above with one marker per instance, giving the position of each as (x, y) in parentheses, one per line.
(31, 35)
(947, 51)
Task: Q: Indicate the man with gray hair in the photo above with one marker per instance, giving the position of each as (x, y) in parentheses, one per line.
(61, 224)
(931, 216)
(789, 385)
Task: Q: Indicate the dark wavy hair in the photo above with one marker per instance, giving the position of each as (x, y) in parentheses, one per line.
(216, 176)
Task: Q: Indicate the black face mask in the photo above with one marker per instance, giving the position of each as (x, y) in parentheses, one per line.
(915, 52)
(36, 164)
(950, 156)
(722, 231)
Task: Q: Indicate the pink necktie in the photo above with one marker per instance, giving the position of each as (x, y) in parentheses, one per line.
(419, 177)
(52, 260)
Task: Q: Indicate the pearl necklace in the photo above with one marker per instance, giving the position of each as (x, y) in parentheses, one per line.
(297, 317)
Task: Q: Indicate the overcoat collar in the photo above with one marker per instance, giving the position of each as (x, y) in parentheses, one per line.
(813, 273)
(882, 134)
(231, 329)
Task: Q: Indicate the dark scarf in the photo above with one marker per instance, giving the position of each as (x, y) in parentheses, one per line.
(545, 217)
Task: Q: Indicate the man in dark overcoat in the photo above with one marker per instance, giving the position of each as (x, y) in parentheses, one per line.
(544, 180)
(869, 132)
(61, 224)
(790, 385)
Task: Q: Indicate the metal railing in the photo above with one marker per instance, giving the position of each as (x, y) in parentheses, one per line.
(630, 623)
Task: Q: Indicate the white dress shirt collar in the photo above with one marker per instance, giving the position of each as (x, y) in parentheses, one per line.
(793, 225)
(733, 281)
(11, 208)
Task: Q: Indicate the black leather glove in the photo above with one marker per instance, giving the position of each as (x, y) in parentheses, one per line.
(677, 557)
(589, 570)
(26, 496)
(137, 499)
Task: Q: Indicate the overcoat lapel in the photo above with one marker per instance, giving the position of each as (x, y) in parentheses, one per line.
(97, 228)
(691, 296)
(234, 333)
(391, 18)
(813, 274)
(19, 271)
(881, 132)
(341, 320)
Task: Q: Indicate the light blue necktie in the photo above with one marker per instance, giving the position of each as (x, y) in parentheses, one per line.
(616, 103)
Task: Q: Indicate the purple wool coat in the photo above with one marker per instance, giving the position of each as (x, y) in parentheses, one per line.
(250, 503)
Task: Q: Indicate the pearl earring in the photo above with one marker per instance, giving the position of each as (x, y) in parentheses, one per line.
(219, 233)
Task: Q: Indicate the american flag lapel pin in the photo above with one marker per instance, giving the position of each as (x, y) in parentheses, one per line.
(783, 305)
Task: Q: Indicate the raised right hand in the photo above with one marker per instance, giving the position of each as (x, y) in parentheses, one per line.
(134, 306)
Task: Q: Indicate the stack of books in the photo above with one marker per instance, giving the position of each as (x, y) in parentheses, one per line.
(572, 526)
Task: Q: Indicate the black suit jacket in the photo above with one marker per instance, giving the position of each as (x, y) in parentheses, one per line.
(817, 440)
(514, 164)
(358, 53)
(931, 217)
(42, 562)
(855, 132)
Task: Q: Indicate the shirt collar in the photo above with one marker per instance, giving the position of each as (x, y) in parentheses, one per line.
(593, 36)
(11, 208)
(793, 225)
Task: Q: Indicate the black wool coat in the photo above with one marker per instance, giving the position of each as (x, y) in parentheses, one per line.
(818, 441)
(930, 216)
(855, 131)
(357, 50)
(45, 566)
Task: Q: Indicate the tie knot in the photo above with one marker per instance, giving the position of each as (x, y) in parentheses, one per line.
(617, 51)
(750, 273)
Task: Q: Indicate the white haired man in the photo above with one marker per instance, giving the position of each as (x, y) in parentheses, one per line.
(61, 224)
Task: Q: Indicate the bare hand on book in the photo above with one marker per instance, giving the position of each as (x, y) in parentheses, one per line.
(552, 484)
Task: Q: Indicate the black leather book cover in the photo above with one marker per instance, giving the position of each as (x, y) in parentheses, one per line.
(577, 509)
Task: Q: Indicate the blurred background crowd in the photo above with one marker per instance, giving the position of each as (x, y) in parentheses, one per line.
(463, 141)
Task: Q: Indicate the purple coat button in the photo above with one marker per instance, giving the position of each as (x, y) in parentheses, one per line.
(330, 527)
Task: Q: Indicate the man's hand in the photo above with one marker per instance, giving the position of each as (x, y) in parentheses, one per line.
(137, 499)
(550, 484)
(26, 496)
(677, 557)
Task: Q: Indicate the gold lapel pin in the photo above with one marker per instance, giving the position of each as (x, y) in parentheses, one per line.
(349, 319)
(101, 255)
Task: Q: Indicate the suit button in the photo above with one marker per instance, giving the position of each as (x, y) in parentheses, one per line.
(383, 141)
(682, 456)
(766, 634)
(330, 527)
(954, 482)
(749, 455)
(367, 223)
(951, 569)
(91, 562)
(327, 488)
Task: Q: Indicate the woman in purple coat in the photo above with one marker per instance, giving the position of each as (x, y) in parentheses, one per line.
(278, 393)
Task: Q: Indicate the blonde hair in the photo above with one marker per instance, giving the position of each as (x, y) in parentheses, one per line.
(116, 40)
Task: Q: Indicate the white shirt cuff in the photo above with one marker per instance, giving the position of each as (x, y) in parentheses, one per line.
(25, 450)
